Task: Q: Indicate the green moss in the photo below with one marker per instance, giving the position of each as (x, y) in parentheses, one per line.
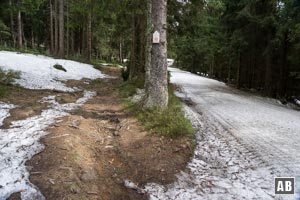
(59, 67)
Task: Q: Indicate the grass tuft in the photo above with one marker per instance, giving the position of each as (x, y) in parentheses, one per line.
(170, 122)
(7, 78)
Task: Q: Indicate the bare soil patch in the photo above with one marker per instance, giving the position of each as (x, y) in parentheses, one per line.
(90, 153)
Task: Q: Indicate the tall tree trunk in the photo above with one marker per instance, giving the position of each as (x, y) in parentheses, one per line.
(211, 68)
(137, 60)
(83, 40)
(61, 52)
(20, 38)
(268, 76)
(12, 25)
(68, 29)
(229, 74)
(133, 60)
(72, 42)
(156, 76)
(148, 48)
(269, 88)
(121, 51)
(89, 35)
(51, 28)
(238, 74)
(284, 68)
(55, 27)
(23, 37)
(32, 39)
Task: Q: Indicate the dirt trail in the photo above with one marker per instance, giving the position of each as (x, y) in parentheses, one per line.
(91, 152)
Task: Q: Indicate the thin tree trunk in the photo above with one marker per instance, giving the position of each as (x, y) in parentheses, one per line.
(229, 73)
(133, 55)
(20, 39)
(156, 75)
(120, 51)
(51, 28)
(32, 39)
(268, 77)
(61, 52)
(83, 45)
(284, 67)
(55, 27)
(23, 37)
(148, 47)
(238, 74)
(72, 42)
(68, 29)
(12, 25)
(89, 36)
(211, 70)
(268, 71)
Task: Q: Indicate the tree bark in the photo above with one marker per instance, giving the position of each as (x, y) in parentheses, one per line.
(156, 76)
(55, 27)
(121, 51)
(148, 45)
(284, 67)
(24, 41)
(134, 59)
(89, 35)
(51, 28)
(20, 38)
(32, 39)
(12, 25)
(238, 74)
(68, 29)
(61, 52)
(72, 42)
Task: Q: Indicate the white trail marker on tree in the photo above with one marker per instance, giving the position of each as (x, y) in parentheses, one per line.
(156, 37)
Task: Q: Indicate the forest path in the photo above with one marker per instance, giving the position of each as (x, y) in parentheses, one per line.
(243, 142)
(80, 145)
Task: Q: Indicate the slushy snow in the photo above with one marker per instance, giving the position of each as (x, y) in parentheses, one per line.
(243, 142)
(20, 143)
(37, 72)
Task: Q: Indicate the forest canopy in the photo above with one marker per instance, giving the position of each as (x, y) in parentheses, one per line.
(250, 44)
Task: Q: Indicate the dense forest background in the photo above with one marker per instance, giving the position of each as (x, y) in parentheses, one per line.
(252, 44)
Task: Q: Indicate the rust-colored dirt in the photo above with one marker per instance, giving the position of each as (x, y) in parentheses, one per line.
(90, 153)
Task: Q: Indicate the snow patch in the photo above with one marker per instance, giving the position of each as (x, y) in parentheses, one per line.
(37, 72)
(244, 141)
(297, 102)
(235, 156)
(170, 62)
(20, 143)
(216, 171)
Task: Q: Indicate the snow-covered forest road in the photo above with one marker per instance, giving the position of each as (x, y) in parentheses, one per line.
(243, 142)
